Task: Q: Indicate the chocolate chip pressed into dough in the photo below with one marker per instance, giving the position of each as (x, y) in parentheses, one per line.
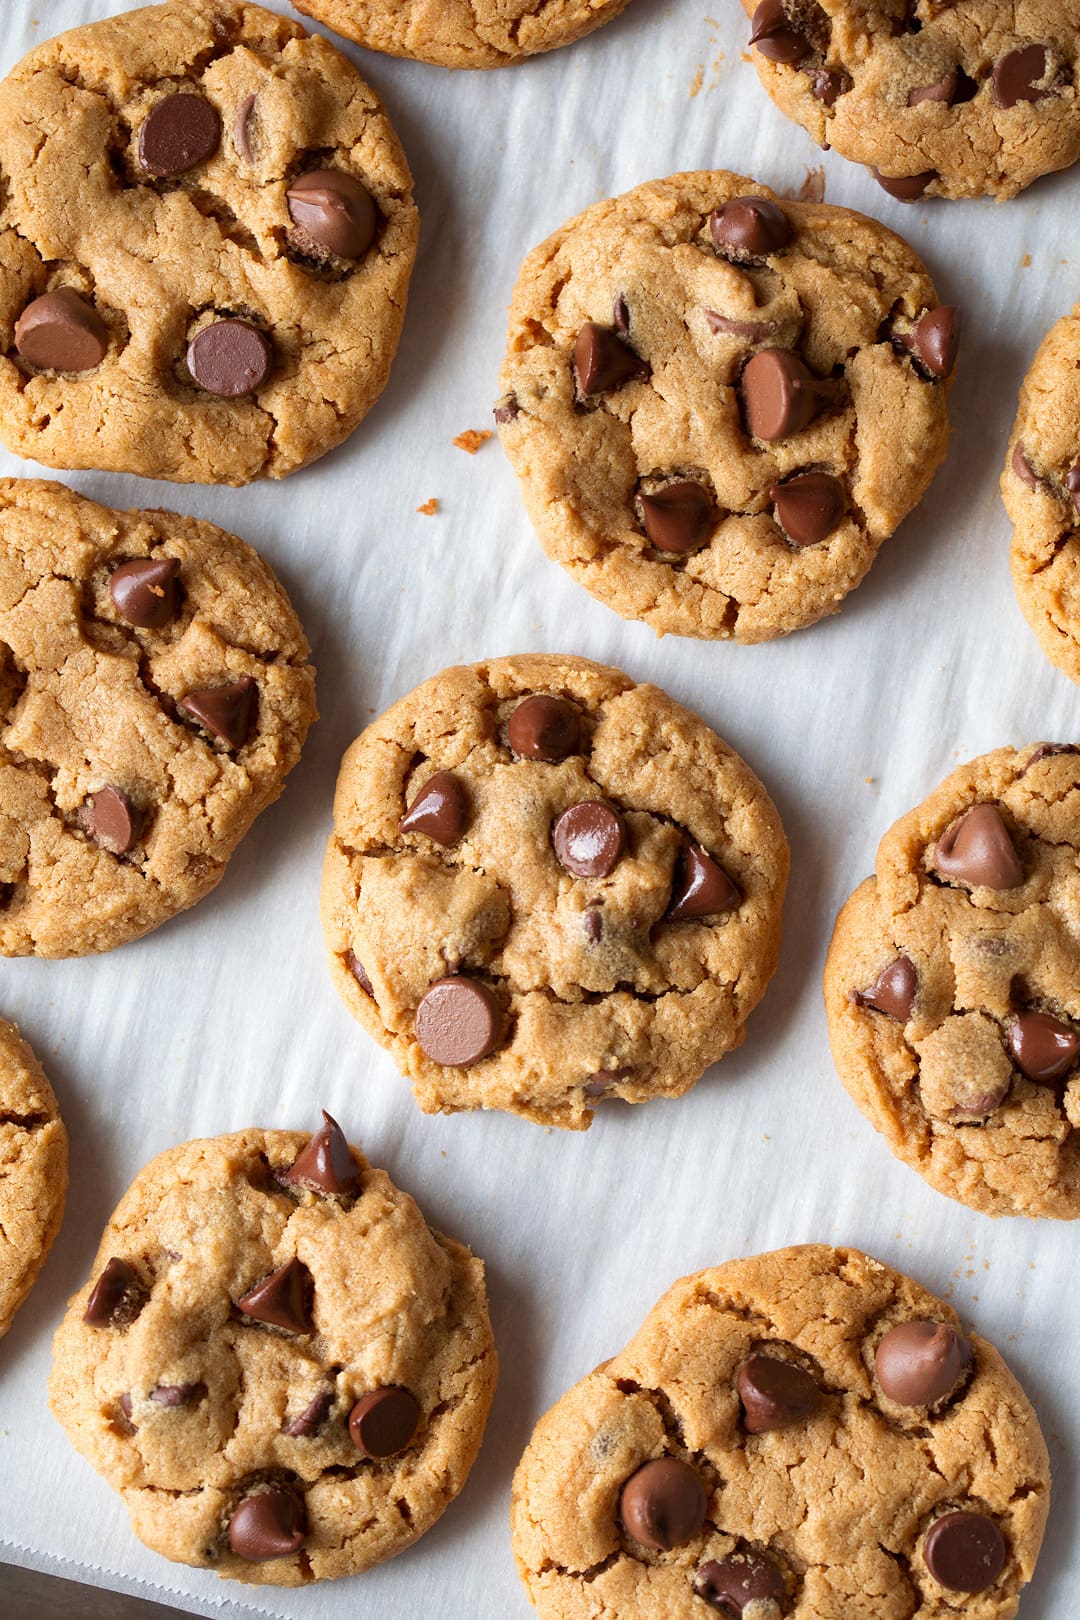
(462, 33)
(33, 1170)
(847, 1512)
(275, 1448)
(502, 973)
(719, 403)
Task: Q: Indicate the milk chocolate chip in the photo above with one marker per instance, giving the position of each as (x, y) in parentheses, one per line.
(750, 228)
(1016, 76)
(333, 211)
(1043, 1048)
(313, 1416)
(893, 991)
(905, 187)
(227, 712)
(282, 1299)
(732, 1584)
(936, 339)
(180, 132)
(384, 1421)
(589, 839)
(457, 1022)
(701, 887)
(144, 593)
(113, 1295)
(678, 517)
(326, 1165)
(440, 809)
(809, 506)
(977, 849)
(775, 37)
(107, 818)
(61, 331)
(603, 362)
(267, 1525)
(230, 358)
(780, 395)
(918, 1363)
(775, 1394)
(545, 728)
(663, 1504)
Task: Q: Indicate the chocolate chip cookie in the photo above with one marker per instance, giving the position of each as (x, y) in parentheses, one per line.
(1040, 486)
(719, 404)
(939, 98)
(462, 33)
(804, 1435)
(33, 1170)
(953, 991)
(206, 237)
(547, 886)
(281, 1368)
(154, 693)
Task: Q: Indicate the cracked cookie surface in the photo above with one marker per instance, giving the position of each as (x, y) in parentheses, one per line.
(154, 693)
(952, 990)
(86, 127)
(939, 98)
(235, 1417)
(33, 1170)
(547, 885)
(835, 1506)
(463, 33)
(719, 403)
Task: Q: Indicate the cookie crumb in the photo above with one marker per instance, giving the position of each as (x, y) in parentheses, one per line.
(697, 81)
(1025, 262)
(812, 189)
(471, 440)
(429, 507)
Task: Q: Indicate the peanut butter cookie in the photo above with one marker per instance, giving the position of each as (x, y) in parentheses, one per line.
(33, 1170)
(462, 33)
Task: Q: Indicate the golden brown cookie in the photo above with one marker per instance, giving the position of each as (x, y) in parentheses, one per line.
(206, 237)
(952, 985)
(547, 885)
(462, 33)
(154, 694)
(803, 1435)
(280, 1367)
(720, 404)
(33, 1170)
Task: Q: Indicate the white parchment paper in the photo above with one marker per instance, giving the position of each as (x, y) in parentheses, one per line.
(226, 1017)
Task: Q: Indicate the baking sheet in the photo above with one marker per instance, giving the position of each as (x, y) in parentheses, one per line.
(226, 1017)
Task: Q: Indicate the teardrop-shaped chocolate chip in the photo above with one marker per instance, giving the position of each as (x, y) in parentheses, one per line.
(809, 507)
(701, 887)
(936, 339)
(115, 1296)
(384, 1421)
(893, 991)
(748, 228)
(775, 36)
(978, 849)
(108, 819)
(677, 517)
(313, 1416)
(662, 1504)
(919, 1362)
(1043, 1048)
(440, 809)
(282, 1299)
(333, 213)
(780, 395)
(604, 362)
(775, 1394)
(905, 187)
(269, 1524)
(144, 592)
(227, 712)
(326, 1164)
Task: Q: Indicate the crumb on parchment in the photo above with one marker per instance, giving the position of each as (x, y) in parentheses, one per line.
(429, 507)
(472, 439)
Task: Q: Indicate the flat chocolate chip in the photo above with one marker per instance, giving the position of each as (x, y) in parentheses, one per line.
(230, 358)
(1016, 76)
(965, 1551)
(732, 1584)
(589, 839)
(893, 991)
(620, 315)
(780, 396)
(326, 1164)
(775, 1394)
(828, 85)
(918, 1363)
(750, 331)
(809, 507)
(179, 132)
(333, 211)
(775, 37)
(312, 1418)
(145, 593)
(905, 187)
(663, 1504)
(268, 1525)
(107, 818)
(384, 1421)
(457, 1022)
(242, 128)
(111, 1297)
(61, 331)
(1043, 1048)
(943, 89)
(750, 228)
(677, 517)
(936, 339)
(177, 1394)
(1023, 469)
(701, 887)
(282, 1299)
(359, 972)
(603, 362)
(544, 728)
(227, 712)
(977, 849)
(440, 809)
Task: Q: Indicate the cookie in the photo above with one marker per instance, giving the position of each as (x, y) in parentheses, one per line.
(1040, 486)
(154, 693)
(719, 404)
(548, 885)
(939, 98)
(952, 985)
(33, 1170)
(803, 1435)
(206, 239)
(462, 33)
(280, 1367)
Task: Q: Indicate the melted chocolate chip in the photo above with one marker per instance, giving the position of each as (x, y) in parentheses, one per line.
(458, 1022)
(333, 212)
(268, 1525)
(144, 593)
(1016, 76)
(977, 849)
(282, 1299)
(326, 1164)
(919, 1363)
(893, 991)
(732, 1584)
(227, 712)
(774, 35)
(905, 187)
(829, 84)
(775, 1394)
(384, 1421)
(61, 331)
(750, 228)
(115, 1296)
(440, 809)
(507, 410)
(662, 1504)
(180, 132)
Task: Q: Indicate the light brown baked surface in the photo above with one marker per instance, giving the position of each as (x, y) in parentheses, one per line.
(33, 1170)
(463, 33)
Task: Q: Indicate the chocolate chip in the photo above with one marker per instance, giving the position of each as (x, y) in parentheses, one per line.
(1048, 751)
(1023, 469)
(1043, 1048)
(384, 1421)
(242, 128)
(977, 849)
(268, 1525)
(358, 971)
(750, 331)
(828, 85)
(145, 593)
(748, 228)
(457, 1022)
(107, 818)
(603, 362)
(230, 358)
(589, 839)
(700, 888)
(905, 187)
(809, 507)
(602, 1081)
(177, 1394)
(663, 1504)
(326, 1164)
(943, 89)
(113, 1296)
(61, 331)
(333, 211)
(965, 1551)
(179, 132)
(592, 923)
(775, 1394)
(936, 339)
(893, 991)
(1016, 76)
(732, 1584)
(620, 315)
(677, 517)
(124, 1404)
(775, 37)
(227, 712)
(282, 1299)
(918, 1363)
(1072, 484)
(312, 1418)
(780, 396)
(440, 809)
(507, 410)
(544, 728)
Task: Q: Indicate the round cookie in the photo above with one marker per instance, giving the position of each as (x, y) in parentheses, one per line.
(280, 1367)
(719, 404)
(803, 1435)
(33, 1170)
(205, 246)
(547, 885)
(462, 33)
(953, 991)
(154, 694)
(939, 98)
(1040, 486)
